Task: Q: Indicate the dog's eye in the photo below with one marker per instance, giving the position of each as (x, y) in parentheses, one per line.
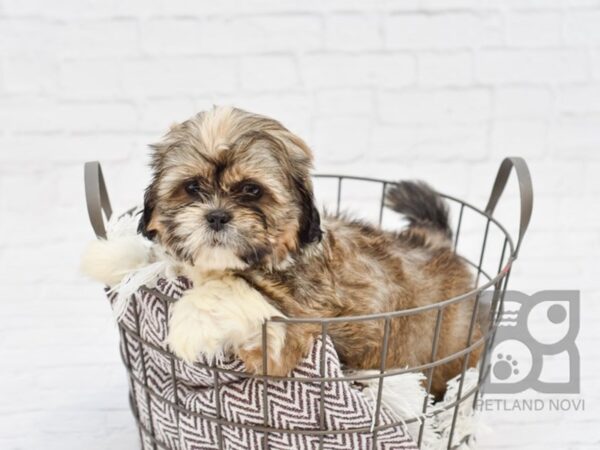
(251, 190)
(192, 187)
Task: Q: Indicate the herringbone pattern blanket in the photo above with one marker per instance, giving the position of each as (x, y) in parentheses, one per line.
(177, 402)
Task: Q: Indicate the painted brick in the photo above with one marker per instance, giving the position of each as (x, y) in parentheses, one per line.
(520, 137)
(435, 106)
(532, 66)
(430, 143)
(523, 102)
(535, 29)
(445, 69)
(268, 73)
(344, 101)
(91, 79)
(579, 99)
(453, 30)
(180, 76)
(581, 27)
(170, 36)
(341, 138)
(259, 34)
(352, 32)
(335, 70)
(84, 39)
(30, 75)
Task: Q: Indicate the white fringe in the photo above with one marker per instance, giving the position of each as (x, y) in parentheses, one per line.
(158, 264)
(403, 395)
(146, 276)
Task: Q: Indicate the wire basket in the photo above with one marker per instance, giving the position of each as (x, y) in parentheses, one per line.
(483, 243)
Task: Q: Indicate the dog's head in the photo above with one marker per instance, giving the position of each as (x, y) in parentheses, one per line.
(231, 189)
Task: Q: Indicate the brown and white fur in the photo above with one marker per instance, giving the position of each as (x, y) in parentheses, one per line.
(269, 253)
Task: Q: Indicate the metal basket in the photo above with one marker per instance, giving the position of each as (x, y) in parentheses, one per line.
(492, 281)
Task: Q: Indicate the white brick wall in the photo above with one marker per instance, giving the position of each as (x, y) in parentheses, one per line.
(434, 89)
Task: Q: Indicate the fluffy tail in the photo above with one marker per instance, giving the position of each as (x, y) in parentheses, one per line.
(422, 206)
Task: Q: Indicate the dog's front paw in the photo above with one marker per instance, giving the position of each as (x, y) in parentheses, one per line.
(192, 331)
(222, 315)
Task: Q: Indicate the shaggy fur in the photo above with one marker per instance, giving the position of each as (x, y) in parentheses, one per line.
(253, 171)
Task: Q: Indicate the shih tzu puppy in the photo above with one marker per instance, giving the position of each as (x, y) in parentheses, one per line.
(231, 199)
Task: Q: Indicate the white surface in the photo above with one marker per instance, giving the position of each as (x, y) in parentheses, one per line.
(439, 90)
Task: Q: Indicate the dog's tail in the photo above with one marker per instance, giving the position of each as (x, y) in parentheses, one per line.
(421, 205)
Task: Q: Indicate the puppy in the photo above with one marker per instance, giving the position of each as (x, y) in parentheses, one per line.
(231, 198)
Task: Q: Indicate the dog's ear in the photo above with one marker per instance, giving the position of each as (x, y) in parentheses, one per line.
(146, 224)
(300, 161)
(296, 157)
(310, 219)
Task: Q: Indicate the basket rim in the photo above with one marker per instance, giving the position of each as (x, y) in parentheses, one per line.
(349, 377)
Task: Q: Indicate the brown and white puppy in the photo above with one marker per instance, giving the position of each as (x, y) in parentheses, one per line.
(231, 197)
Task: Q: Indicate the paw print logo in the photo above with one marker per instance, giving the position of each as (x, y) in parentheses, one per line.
(505, 367)
(511, 362)
(532, 329)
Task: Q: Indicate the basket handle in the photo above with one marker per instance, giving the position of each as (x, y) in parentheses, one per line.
(96, 197)
(525, 190)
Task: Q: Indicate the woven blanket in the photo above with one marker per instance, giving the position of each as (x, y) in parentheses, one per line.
(177, 403)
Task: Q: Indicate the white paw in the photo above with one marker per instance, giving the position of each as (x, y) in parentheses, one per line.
(190, 329)
(221, 315)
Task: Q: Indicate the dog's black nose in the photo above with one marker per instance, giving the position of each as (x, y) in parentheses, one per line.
(217, 219)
